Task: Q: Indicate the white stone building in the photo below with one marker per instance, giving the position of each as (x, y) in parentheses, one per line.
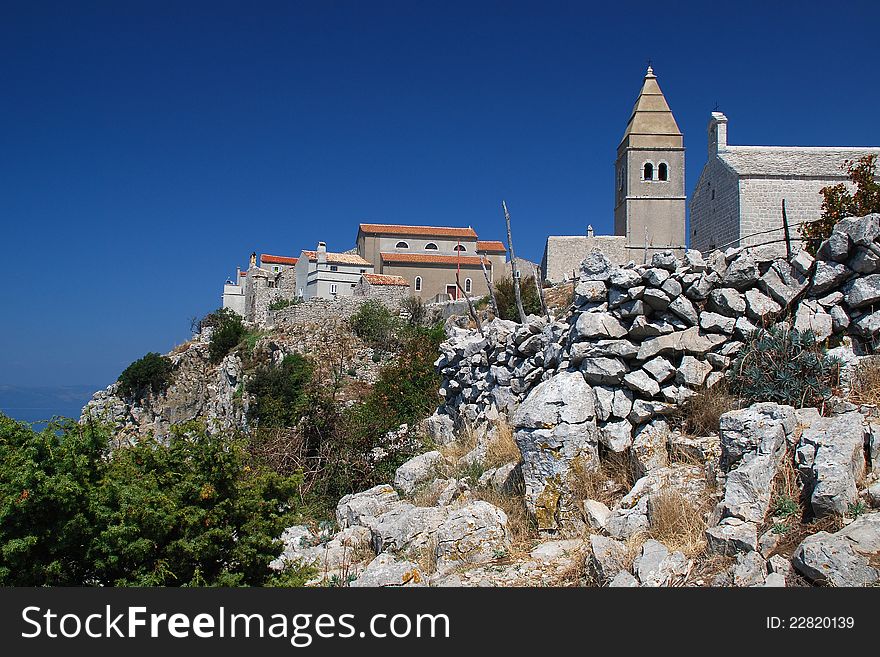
(324, 275)
(741, 188)
(234, 293)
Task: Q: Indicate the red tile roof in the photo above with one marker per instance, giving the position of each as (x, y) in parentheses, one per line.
(385, 279)
(431, 231)
(277, 260)
(491, 246)
(243, 273)
(338, 258)
(424, 258)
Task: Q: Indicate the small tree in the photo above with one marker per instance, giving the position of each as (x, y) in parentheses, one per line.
(150, 374)
(228, 332)
(374, 324)
(505, 295)
(838, 203)
(279, 393)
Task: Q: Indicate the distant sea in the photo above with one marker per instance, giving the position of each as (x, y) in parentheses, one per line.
(39, 404)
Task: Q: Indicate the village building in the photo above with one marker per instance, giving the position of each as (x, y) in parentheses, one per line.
(738, 198)
(649, 193)
(276, 264)
(325, 275)
(432, 259)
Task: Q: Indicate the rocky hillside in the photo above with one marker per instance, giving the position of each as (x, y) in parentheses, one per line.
(561, 458)
(216, 394)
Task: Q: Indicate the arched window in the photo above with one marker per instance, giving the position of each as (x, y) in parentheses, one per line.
(430, 246)
(663, 171)
(648, 173)
(401, 245)
(459, 247)
(418, 283)
(467, 285)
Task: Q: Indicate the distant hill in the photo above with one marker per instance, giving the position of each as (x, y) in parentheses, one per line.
(32, 404)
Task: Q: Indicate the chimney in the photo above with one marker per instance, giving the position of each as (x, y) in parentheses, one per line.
(590, 230)
(321, 253)
(717, 134)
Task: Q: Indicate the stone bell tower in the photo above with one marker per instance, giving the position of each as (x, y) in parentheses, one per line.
(649, 195)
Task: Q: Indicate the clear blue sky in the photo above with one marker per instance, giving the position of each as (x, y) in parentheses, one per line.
(146, 148)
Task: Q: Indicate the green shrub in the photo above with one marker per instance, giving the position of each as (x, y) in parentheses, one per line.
(195, 511)
(228, 330)
(281, 304)
(785, 366)
(374, 324)
(278, 394)
(150, 374)
(415, 309)
(506, 298)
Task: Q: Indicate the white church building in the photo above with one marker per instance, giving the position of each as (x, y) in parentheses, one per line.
(740, 191)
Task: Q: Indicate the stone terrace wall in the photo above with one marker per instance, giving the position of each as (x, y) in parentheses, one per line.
(644, 339)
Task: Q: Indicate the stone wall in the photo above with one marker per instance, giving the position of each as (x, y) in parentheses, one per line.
(643, 339)
(563, 254)
(388, 295)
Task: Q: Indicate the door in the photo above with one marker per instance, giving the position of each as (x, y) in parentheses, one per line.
(452, 291)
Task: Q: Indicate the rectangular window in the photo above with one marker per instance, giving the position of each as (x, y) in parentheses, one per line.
(332, 288)
(334, 268)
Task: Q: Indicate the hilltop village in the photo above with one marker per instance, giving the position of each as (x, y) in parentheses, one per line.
(737, 202)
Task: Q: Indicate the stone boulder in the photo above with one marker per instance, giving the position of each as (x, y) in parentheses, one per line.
(828, 559)
(417, 471)
(476, 533)
(388, 570)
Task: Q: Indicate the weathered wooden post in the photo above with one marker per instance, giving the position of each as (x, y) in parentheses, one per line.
(513, 269)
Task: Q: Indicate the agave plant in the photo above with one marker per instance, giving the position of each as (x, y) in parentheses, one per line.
(784, 365)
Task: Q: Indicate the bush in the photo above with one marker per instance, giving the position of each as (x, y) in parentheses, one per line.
(374, 324)
(281, 304)
(838, 203)
(785, 366)
(196, 511)
(278, 394)
(506, 298)
(415, 309)
(228, 330)
(150, 374)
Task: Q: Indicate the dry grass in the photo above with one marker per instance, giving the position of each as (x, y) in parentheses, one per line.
(864, 386)
(502, 449)
(523, 530)
(428, 495)
(701, 414)
(708, 566)
(677, 523)
(559, 297)
(607, 484)
(461, 446)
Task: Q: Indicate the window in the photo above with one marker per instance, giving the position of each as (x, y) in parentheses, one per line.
(276, 268)
(363, 271)
(648, 171)
(663, 171)
(352, 284)
(401, 245)
(430, 246)
(467, 285)
(334, 268)
(459, 247)
(418, 284)
(332, 288)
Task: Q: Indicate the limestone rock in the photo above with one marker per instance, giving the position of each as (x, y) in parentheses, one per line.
(642, 383)
(565, 398)
(598, 325)
(616, 435)
(388, 570)
(595, 267)
(732, 535)
(760, 307)
(607, 557)
(416, 471)
(692, 371)
(716, 323)
(475, 533)
(358, 508)
(688, 341)
(830, 455)
(863, 291)
(827, 559)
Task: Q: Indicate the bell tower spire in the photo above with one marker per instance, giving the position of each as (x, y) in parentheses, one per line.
(649, 198)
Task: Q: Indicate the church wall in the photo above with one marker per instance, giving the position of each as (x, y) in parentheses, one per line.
(563, 254)
(714, 221)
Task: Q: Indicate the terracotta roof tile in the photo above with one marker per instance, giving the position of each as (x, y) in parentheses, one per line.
(432, 231)
(491, 246)
(385, 279)
(424, 258)
(277, 260)
(338, 258)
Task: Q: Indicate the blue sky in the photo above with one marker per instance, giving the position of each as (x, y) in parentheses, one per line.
(147, 148)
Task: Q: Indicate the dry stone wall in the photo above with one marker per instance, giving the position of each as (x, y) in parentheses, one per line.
(642, 339)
